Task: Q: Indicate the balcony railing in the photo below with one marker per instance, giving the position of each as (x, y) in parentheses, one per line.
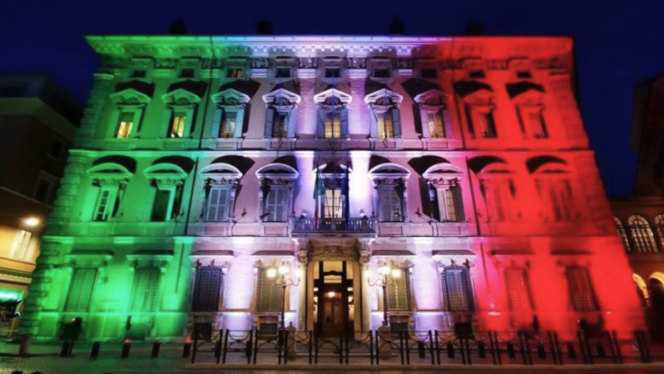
(353, 225)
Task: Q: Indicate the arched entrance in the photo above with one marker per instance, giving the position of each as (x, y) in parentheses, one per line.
(656, 312)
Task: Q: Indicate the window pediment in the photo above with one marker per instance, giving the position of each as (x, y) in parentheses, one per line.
(388, 170)
(431, 98)
(525, 90)
(323, 97)
(281, 96)
(181, 96)
(444, 171)
(230, 96)
(222, 171)
(164, 172)
(130, 96)
(109, 171)
(383, 97)
(544, 164)
(277, 171)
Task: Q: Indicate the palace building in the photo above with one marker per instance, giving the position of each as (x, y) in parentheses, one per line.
(335, 183)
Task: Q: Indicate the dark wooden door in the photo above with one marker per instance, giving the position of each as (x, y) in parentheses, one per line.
(332, 310)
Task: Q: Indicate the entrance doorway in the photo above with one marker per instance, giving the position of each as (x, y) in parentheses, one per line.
(334, 301)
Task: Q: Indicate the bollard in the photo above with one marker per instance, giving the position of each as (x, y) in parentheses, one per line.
(65, 351)
(94, 351)
(126, 347)
(186, 350)
(24, 344)
(156, 347)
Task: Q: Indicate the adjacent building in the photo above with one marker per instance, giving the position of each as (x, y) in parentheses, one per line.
(331, 182)
(38, 121)
(640, 217)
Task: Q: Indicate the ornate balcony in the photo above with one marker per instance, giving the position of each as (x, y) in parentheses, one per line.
(353, 225)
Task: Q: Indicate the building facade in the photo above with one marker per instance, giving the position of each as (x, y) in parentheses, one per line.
(223, 181)
(640, 217)
(38, 120)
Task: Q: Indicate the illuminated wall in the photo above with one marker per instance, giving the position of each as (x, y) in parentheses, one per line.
(524, 199)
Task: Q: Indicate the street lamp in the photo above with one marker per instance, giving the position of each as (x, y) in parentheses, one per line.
(385, 272)
(283, 280)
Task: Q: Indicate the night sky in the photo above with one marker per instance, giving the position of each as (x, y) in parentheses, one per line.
(617, 43)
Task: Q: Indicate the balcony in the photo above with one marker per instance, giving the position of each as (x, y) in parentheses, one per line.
(353, 225)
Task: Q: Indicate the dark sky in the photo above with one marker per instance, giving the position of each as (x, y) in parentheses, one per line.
(617, 43)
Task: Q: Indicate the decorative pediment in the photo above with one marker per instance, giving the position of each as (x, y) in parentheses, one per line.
(525, 90)
(130, 96)
(434, 98)
(472, 88)
(283, 94)
(546, 164)
(487, 164)
(277, 171)
(230, 96)
(181, 96)
(165, 171)
(441, 170)
(332, 92)
(109, 171)
(388, 170)
(383, 96)
(222, 170)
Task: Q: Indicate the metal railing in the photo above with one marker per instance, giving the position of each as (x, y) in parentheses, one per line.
(353, 225)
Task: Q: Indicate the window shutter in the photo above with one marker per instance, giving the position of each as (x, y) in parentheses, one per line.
(458, 202)
(80, 290)
(239, 122)
(160, 205)
(469, 120)
(269, 119)
(421, 119)
(269, 294)
(216, 122)
(518, 289)
(384, 205)
(145, 290)
(280, 204)
(344, 122)
(207, 289)
(291, 122)
(398, 295)
(581, 291)
(136, 124)
(396, 122)
(457, 288)
(190, 112)
(212, 203)
(374, 123)
(320, 124)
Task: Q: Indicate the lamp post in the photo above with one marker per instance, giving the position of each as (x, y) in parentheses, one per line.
(385, 272)
(283, 280)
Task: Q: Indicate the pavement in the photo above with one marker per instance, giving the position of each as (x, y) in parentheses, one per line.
(44, 359)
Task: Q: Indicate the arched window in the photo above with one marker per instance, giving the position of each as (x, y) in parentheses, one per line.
(110, 180)
(554, 187)
(433, 114)
(623, 235)
(443, 185)
(479, 108)
(384, 105)
(642, 235)
(659, 228)
(332, 113)
(528, 101)
(168, 180)
(280, 113)
(390, 184)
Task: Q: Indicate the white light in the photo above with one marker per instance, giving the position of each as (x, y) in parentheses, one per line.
(384, 270)
(271, 273)
(331, 294)
(283, 269)
(396, 273)
(31, 221)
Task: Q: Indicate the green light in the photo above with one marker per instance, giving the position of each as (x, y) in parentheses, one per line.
(7, 295)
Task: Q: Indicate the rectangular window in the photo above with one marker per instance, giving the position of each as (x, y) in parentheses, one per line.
(276, 204)
(499, 197)
(430, 73)
(518, 289)
(382, 73)
(105, 204)
(282, 73)
(80, 290)
(234, 73)
(398, 293)
(161, 206)
(145, 290)
(332, 125)
(332, 73)
(228, 123)
(390, 204)
(457, 290)
(207, 289)
(557, 196)
(385, 123)
(186, 73)
(125, 124)
(333, 203)
(581, 293)
(178, 122)
(280, 125)
(270, 294)
(21, 245)
(436, 124)
(532, 121)
(218, 204)
(489, 125)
